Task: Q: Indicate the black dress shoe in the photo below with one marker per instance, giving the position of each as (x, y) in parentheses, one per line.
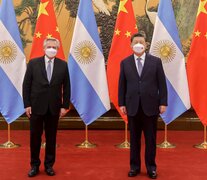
(33, 171)
(133, 173)
(152, 175)
(50, 171)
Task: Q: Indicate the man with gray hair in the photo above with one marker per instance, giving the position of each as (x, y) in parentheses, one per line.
(46, 94)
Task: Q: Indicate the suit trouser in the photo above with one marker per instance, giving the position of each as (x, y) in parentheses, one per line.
(148, 124)
(37, 122)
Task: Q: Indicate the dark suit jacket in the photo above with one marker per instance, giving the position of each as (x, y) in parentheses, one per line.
(150, 88)
(39, 93)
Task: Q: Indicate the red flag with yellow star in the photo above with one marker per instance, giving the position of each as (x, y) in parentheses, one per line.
(46, 27)
(120, 48)
(197, 64)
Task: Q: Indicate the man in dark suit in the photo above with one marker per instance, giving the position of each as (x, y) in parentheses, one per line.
(142, 96)
(46, 94)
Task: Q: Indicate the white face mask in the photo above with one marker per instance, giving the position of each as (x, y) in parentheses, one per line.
(51, 52)
(138, 48)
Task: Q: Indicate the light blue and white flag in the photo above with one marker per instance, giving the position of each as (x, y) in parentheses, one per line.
(166, 45)
(89, 89)
(12, 64)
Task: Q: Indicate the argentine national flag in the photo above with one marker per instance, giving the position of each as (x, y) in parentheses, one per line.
(89, 90)
(12, 64)
(166, 45)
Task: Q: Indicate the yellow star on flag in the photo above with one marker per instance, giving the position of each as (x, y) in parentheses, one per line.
(197, 33)
(122, 6)
(202, 8)
(57, 29)
(117, 32)
(49, 36)
(42, 9)
(38, 35)
(128, 34)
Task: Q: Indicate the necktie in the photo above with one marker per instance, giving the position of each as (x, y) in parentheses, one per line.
(49, 70)
(140, 67)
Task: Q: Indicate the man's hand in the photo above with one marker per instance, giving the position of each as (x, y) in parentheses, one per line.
(162, 109)
(28, 111)
(63, 112)
(123, 110)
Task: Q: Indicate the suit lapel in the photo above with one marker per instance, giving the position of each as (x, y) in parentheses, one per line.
(133, 65)
(43, 68)
(146, 65)
(54, 70)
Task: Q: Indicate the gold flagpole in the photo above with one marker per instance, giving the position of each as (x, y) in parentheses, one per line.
(125, 144)
(9, 144)
(86, 143)
(165, 144)
(203, 145)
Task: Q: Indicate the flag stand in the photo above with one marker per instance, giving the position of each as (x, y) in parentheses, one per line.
(165, 144)
(203, 145)
(86, 143)
(125, 144)
(9, 144)
(43, 145)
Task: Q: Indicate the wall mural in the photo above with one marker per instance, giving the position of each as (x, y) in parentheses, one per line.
(105, 12)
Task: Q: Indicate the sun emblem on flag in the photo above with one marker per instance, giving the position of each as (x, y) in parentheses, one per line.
(8, 52)
(85, 52)
(165, 50)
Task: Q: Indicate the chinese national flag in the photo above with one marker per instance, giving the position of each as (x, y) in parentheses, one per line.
(46, 27)
(197, 64)
(120, 48)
